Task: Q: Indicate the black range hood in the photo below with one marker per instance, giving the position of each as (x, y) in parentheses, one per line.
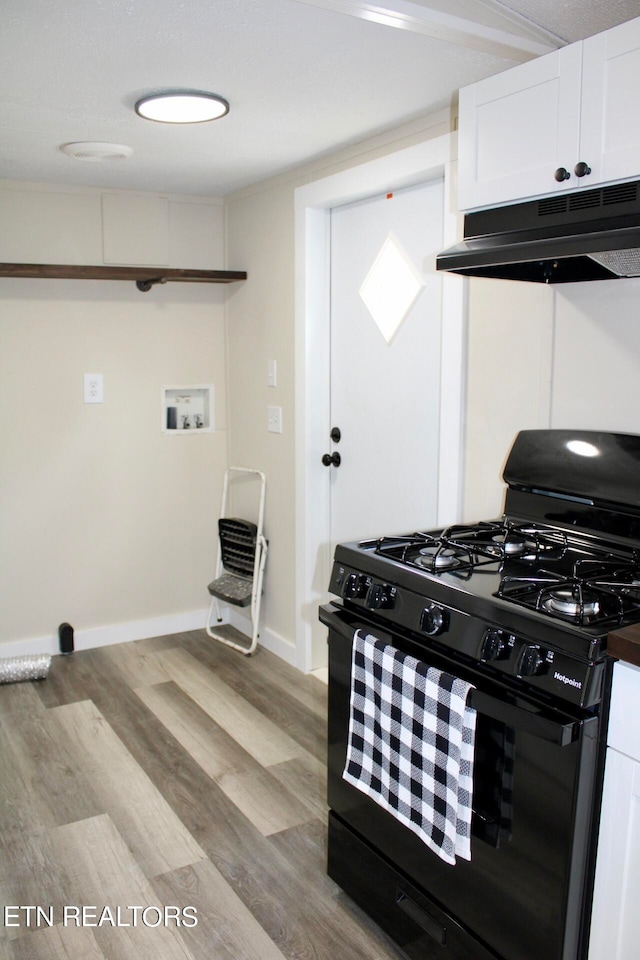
(584, 235)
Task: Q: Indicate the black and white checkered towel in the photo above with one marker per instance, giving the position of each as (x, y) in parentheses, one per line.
(411, 744)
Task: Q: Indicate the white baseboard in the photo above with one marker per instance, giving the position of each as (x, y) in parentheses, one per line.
(115, 633)
(268, 639)
(154, 627)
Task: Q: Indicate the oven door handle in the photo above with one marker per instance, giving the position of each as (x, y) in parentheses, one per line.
(561, 731)
(528, 721)
(332, 617)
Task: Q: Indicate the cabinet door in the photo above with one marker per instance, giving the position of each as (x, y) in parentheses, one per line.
(517, 128)
(610, 139)
(615, 924)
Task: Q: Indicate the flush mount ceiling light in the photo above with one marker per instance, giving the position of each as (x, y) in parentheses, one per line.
(93, 151)
(182, 106)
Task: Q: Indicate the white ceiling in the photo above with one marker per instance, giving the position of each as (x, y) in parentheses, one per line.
(303, 77)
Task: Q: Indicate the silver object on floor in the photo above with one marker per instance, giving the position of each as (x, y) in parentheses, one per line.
(30, 667)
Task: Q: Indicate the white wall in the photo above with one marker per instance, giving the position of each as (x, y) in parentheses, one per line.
(566, 356)
(105, 521)
(596, 365)
(260, 328)
(509, 371)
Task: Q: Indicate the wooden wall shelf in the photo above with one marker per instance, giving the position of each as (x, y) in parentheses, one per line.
(144, 277)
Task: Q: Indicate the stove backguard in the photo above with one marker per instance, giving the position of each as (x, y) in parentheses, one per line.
(585, 467)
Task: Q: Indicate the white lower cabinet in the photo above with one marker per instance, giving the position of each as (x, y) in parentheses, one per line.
(615, 927)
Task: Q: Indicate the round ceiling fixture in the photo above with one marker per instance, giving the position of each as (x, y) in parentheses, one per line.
(182, 106)
(94, 151)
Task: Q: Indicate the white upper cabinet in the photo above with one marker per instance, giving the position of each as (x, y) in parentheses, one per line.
(560, 122)
(514, 126)
(610, 120)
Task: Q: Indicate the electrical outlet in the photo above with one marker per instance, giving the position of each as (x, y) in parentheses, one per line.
(274, 419)
(93, 388)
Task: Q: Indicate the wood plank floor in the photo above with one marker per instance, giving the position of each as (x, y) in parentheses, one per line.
(170, 773)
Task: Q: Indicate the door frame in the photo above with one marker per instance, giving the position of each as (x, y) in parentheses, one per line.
(313, 202)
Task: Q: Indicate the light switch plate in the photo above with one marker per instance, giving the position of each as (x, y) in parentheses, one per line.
(93, 388)
(274, 419)
(272, 373)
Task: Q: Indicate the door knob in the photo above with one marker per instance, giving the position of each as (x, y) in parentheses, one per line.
(562, 174)
(582, 169)
(331, 459)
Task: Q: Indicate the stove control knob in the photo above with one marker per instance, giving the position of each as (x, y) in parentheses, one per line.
(434, 619)
(532, 661)
(356, 586)
(494, 645)
(380, 596)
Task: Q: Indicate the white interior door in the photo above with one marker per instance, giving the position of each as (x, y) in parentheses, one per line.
(385, 362)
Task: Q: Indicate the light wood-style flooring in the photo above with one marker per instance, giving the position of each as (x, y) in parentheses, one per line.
(171, 772)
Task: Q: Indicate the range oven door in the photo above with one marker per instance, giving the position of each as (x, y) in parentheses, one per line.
(523, 894)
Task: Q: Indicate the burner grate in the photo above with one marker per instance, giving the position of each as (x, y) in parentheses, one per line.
(507, 539)
(547, 569)
(461, 548)
(602, 591)
(431, 554)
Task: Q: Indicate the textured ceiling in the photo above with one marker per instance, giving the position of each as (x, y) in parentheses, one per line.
(575, 21)
(303, 79)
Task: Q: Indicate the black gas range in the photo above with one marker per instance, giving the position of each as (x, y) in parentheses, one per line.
(531, 602)
(520, 607)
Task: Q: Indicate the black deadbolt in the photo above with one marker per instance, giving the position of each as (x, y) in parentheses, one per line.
(335, 435)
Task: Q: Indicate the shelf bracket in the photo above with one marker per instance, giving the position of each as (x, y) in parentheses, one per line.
(145, 285)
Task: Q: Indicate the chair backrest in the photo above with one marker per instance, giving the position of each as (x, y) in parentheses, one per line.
(237, 545)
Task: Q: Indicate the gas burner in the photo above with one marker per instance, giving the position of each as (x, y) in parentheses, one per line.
(507, 543)
(570, 602)
(516, 546)
(434, 554)
(606, 596)
(502, 539)
(438, 559)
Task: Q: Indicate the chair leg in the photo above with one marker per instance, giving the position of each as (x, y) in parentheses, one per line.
(215, 610)
(256, 597)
